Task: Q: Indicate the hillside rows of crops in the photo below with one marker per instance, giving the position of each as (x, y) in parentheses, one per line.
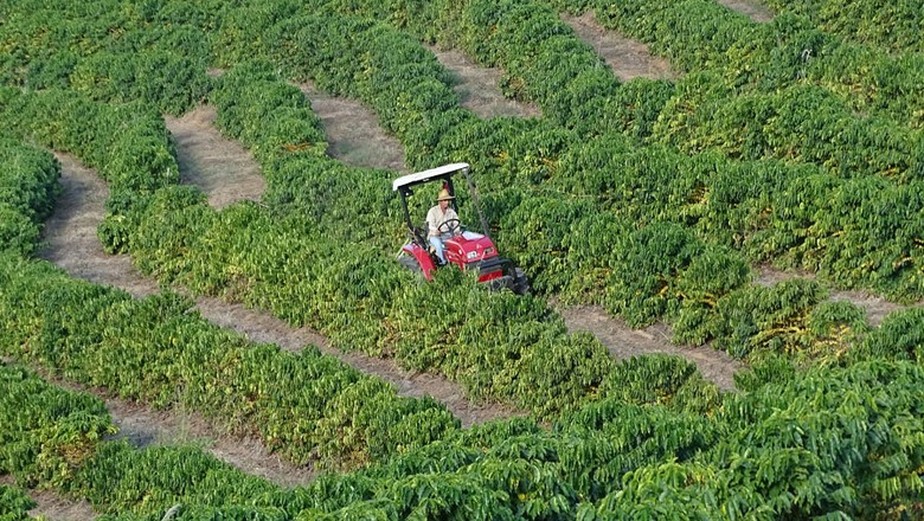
(621, 194)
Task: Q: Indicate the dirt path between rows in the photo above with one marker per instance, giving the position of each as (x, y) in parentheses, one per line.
(626, 57)
(72, 244)
(753, 9)
(479, 87)
(143, 426)
(877, 308)
(624, 342)
(53, 506)
(225, 170)
(353, 132)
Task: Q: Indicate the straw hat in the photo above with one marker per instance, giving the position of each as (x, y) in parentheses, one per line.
(444, 195)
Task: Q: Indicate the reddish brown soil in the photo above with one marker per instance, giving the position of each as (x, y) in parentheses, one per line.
(627, 58)
(221, 168)
(478, 87)
(624, 342)
(753, 9)
(354, 135)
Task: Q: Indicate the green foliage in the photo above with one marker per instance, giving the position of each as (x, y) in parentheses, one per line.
(660, 379)
(17, 233)
(539, 247)
(767, 318)
(830, 441)
(28, 187)
(29, 180)
(170, 80)
(890, 25)
(15, 504)
(48, 433)
(790, 50)
(268, 116)
(307, 406)
(111, 52)
(899, 337)
(643, 272)
(120, 479)
(648, 231)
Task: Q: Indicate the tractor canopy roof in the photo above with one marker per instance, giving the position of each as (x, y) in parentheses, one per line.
(440, 172)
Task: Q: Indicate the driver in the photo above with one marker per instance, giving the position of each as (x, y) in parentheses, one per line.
(442, 223)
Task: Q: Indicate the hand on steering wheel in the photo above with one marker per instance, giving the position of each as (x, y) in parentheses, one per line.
(450, 226)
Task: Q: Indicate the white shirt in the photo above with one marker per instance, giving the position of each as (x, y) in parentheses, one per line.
(436, 217)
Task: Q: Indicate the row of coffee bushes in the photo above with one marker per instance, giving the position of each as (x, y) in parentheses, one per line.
(360, 58)
(158, 351)
(801, 123)
(563, 76)
(895, 26)
(110, 50)
(47, 433)
(28, 186)
(61, 440)
(824, 443)
(706, 110)
(860, 232)
(806, 446)
(128, 144)
(309, 407)
(811, 444)
(753, 97)
(702, 34)
(15, 504)
(506, 149)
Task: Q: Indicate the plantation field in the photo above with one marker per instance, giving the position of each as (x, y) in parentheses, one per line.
(719, 205)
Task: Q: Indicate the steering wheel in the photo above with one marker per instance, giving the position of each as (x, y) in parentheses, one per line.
(450, 226)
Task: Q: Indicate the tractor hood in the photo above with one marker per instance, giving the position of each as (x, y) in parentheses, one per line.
(470, 247)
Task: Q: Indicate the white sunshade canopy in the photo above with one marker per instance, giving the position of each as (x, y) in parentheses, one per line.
(426, 175)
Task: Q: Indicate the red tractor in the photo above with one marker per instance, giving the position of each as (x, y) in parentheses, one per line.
(466, 249)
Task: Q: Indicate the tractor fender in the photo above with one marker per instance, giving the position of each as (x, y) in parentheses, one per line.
(422, 257)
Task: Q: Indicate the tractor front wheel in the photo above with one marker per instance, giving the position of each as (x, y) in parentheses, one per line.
(520, 282)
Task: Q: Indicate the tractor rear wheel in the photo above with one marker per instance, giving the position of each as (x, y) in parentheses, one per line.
(410, 263)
